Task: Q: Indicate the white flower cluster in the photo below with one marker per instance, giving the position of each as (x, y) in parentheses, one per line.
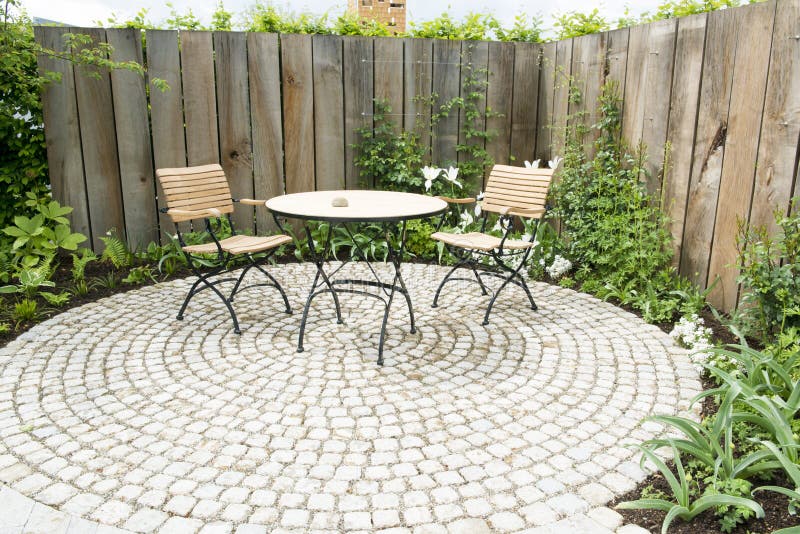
(432, 173)
(692, 333)
(559, 267)
(553, 163)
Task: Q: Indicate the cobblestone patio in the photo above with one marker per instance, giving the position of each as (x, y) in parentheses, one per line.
(118, 414)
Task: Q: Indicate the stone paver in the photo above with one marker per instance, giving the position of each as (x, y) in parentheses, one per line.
(115, 415)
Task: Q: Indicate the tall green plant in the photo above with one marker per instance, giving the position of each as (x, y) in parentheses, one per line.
(615, 231)
(392, 161)
(769, 268)
(683, 506)
(23, 159)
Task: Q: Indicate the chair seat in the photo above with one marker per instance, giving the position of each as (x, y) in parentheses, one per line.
(478, 241)
(240, 244)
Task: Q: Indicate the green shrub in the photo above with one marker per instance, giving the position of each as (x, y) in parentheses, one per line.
(615, 231)
(769, 270)
(23, 160)
(392, 160)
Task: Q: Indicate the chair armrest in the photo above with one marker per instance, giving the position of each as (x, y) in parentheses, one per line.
(208, 212)
(456, 200)
(250, 202)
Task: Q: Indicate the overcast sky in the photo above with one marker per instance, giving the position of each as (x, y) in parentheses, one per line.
(87, 12)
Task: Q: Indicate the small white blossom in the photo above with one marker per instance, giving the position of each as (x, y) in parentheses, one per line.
(466, 218)
(692, 333)
(478, 209)
(555, 162)
(534, 165)
(430, 174)
(559, 267)
(451, 174)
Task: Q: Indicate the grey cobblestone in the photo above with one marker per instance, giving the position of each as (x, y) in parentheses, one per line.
(141, 421)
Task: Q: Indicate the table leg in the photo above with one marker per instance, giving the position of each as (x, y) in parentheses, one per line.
(396, 258)
(319, 262)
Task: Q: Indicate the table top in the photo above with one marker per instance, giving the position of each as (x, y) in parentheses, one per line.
(363, 206)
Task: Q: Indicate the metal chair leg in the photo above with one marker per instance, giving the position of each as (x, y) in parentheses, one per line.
(462, 261)
(239, 280)
(274, 283)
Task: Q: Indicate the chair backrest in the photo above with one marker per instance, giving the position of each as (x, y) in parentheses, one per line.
(195, 188)
(516, 188)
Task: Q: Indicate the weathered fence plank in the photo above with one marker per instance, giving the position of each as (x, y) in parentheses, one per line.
(474, 75)
(780, 126)
(617, 56)
(388, 61)
(682, 116)
(561, 96)
(199, 100)
(738, 167)
(524, 107)
(544, 122)
(635, 80)
(588, 73)
(265, 117)
(617, 63)
(657, 89)
(166, 110)
(235, 144)
(328, 112)
(99, 147)
(298, 116)
(709, 144)
(133, 140)
(446, 77)
(499, 101)
(418, 75)
(358, 95)
(62, 131)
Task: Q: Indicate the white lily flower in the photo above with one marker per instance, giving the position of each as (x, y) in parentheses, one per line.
(466, 218)
(451, 174)
(555, 162)
(534, 165)
(478, 209)
(430, 174)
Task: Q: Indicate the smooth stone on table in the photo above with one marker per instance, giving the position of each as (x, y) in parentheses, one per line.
(520, 424)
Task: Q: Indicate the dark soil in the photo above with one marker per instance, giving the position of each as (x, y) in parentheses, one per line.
(776, 514)
(94, 272)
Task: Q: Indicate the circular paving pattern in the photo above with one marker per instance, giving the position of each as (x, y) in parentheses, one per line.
(118, 413)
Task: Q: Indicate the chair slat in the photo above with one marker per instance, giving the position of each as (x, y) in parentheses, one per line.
(194, 183)
(516, 187)
(528, 198)
(195, 188)
(210, 201)
(212, 190)
(524, 184)
(188, 171)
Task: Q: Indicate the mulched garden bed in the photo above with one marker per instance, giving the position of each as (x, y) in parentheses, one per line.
(776, 515)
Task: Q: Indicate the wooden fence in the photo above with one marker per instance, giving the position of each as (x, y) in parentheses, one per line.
(279, 112)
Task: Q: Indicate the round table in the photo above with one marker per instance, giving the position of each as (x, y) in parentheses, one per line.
(390, 209)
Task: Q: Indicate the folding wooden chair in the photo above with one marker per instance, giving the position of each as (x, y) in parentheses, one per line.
(202, 192)
(510, 192)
